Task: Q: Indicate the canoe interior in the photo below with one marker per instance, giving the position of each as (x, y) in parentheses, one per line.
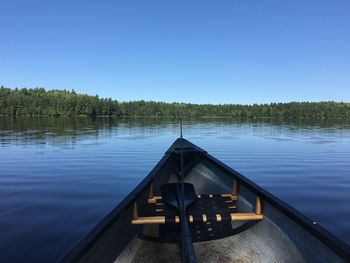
(276, 238)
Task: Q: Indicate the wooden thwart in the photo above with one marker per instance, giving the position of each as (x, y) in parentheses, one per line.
(161, 219)
(148, 220)
(153, 199)
(234, 216)
(245, 216)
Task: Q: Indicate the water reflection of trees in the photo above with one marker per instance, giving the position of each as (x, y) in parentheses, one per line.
(67, 131)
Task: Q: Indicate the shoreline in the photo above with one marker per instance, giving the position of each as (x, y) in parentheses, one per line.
(176, 117)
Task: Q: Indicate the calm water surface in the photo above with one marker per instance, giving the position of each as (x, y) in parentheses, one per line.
(61, 176)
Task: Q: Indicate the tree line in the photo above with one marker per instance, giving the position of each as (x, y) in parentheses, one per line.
(38, 101)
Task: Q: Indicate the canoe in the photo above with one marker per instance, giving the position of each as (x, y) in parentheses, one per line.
(231, 220)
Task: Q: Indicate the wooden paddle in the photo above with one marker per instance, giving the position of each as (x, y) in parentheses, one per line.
(180, 196)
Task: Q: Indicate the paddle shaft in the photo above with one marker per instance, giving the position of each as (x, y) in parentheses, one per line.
(187, 251)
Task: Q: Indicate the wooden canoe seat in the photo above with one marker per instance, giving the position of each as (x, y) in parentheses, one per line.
(206, 208)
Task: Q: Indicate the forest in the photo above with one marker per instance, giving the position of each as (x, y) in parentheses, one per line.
(39, 102)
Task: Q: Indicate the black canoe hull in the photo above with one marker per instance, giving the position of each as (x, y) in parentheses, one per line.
(291, 234)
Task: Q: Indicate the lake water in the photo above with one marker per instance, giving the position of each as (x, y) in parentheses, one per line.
(61, 176)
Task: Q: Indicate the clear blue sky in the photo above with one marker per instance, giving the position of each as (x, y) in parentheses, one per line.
(190, 51)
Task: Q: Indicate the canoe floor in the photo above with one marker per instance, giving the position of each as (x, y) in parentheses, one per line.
(249, 246)
(147, 251)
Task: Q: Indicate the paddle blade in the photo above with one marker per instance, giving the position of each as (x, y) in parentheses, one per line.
(171, 194)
